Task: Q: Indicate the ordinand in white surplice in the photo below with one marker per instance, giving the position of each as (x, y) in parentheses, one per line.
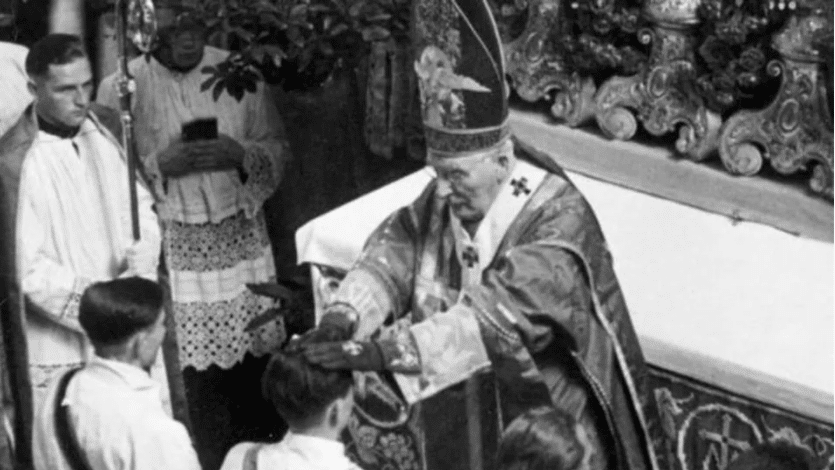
(117, 420)
(294, 452)
(73, 228)
(215, 233)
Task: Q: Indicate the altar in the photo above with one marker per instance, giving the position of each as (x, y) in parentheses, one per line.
(735, 317)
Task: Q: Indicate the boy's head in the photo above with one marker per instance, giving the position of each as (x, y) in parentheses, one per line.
(123, 319)
(307, 396)
(543, 439)
(775, 455)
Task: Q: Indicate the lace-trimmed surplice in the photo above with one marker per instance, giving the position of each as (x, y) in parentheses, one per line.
(215, 236)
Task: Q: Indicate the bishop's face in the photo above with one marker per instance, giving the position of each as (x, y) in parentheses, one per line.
(470, 183)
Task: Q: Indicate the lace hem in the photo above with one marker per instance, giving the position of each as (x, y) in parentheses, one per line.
(212, 247)
(213, 333)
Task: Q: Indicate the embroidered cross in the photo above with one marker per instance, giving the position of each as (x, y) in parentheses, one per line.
(520, 186)
(352, 348)
(727, 446)
(470, 256)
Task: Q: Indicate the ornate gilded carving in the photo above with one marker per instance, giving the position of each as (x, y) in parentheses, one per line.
(575, 103)
(662, 97)
(536, 68)
(673, 11)
(795, 131)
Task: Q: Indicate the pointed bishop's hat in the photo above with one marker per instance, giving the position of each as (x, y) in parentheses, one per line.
(460, 69)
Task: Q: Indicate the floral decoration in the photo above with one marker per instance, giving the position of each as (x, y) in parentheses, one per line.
(735, 51)
(600, 37)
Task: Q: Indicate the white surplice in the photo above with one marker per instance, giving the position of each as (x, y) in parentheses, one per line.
(215, 233)
(118, 420)
(73, 227)
(294, 452)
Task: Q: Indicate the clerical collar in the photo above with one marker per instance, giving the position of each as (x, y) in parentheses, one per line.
(58, 130)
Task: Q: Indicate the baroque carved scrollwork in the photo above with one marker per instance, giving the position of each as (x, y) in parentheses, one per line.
(662, 97)
(537, 70)
(794, 132)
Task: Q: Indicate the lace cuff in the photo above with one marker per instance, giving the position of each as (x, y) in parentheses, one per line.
(263, 170)
(70, 311)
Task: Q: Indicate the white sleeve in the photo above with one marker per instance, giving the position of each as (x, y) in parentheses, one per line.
(234, 459)
(53, 287)
(266, 148)
(162, 445)
(149, 230)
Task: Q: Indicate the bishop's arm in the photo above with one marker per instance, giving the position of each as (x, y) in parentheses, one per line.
(380, 283)
(532, 297)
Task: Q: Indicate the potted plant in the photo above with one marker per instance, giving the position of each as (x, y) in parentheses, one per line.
(309, 53)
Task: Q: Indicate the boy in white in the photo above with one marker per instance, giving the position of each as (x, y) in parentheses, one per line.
(108, 415)
(316, 403)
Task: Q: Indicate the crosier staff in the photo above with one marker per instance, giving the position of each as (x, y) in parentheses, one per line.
(134, 18)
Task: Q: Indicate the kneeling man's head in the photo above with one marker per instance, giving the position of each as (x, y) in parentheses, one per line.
(544, 439)
(123, 319)
(311, 399)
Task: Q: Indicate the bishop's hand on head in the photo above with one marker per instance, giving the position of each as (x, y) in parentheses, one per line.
(352, 355)
(394, 355)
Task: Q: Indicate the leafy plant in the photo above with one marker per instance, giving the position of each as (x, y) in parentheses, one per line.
(298, 44)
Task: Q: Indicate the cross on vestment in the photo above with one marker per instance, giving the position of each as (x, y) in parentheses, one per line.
(520, 186)
(470, 256)
(726, 444)
(352, 348)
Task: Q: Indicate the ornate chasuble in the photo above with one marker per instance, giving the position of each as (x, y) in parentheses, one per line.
(419, 262)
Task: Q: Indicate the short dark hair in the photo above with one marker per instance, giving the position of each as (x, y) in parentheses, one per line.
(539, 439)
(53, 49)
(774, 455)
(300, 391)
(112, 311)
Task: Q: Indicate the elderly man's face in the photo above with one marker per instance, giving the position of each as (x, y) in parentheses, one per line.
(470, 184)
(187, 48)
(63, 94)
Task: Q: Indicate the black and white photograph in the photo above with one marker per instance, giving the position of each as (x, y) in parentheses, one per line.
(417, 235)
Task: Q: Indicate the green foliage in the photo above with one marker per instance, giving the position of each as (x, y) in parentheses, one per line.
(298, 44)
